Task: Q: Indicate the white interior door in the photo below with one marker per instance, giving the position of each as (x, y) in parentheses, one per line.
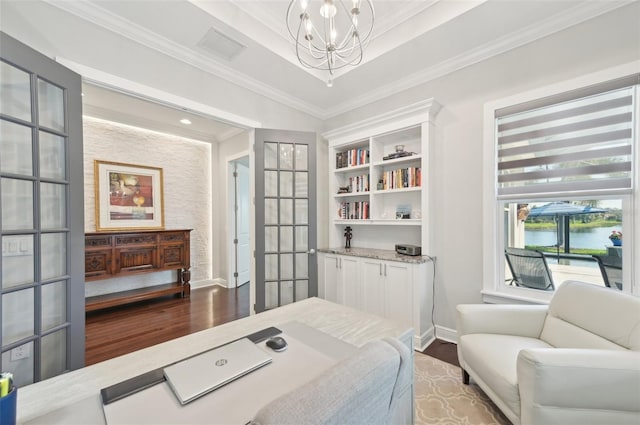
(243, 217)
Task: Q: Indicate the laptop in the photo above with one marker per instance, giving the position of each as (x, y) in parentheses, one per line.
(199, 375)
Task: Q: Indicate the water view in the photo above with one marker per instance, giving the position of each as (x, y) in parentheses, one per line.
(593, 238)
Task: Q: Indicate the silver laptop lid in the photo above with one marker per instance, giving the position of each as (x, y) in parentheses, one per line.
(203, 373)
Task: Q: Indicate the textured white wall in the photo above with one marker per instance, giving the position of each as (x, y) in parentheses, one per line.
(186, 167)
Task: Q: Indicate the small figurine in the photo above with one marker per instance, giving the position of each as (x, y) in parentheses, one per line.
(347, 235)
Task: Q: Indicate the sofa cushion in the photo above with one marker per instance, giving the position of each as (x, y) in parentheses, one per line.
(583, 315)
(493, 359)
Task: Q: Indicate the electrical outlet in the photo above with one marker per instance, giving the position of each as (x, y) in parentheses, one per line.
(20, 353)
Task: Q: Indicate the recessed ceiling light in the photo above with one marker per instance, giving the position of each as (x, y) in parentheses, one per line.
(185, 121)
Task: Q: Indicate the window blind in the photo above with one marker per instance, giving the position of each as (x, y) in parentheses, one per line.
(581, 146)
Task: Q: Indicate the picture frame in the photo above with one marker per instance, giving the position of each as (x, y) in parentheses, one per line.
(128, 197)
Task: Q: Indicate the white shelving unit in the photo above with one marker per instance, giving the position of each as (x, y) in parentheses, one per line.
(411, 127)
(370, 276)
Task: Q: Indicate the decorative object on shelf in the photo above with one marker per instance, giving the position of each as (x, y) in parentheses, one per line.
(403, 212)
(616, 238)
(128, 197)
(330, 34)
(347, 235)
(399, 153)
(380, 184)
(343, 189)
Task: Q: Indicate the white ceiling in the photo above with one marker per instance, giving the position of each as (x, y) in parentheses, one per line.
(414, 41)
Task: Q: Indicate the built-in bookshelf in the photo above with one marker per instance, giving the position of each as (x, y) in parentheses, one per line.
(379, 178)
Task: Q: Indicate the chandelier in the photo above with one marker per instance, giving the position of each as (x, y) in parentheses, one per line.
(330, 34)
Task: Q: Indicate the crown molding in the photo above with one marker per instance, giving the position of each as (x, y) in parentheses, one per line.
(575, 16)
(101, 17)
(151, 94)
(419, 112)
(112, 22)
(401, 16)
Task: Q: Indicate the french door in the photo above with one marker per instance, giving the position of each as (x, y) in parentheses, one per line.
(42, 215)
(285, 207)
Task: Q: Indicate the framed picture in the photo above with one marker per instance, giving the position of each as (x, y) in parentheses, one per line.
(128, 197)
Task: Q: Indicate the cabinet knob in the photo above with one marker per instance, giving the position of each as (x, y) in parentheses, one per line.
(312, 251)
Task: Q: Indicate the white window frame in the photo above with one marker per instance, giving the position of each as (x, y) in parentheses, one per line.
(494, 288)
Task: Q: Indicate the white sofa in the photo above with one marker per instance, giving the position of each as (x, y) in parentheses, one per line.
(575, 361)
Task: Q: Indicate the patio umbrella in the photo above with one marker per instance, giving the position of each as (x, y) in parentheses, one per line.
(565, 210)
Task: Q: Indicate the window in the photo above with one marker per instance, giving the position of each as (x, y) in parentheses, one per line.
(562, 177)
(572, 236)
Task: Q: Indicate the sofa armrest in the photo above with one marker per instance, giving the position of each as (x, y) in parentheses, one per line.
(518, 320)
(559, 385)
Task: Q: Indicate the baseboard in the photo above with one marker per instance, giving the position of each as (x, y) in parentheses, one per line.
(208, 282)
(420, 343)
(447, 334)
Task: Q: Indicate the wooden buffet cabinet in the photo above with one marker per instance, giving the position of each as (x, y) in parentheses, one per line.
(117, 254)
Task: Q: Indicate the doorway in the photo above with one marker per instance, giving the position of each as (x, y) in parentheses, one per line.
(239, 219)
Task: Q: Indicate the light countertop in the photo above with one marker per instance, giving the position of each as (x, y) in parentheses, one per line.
(378, 254)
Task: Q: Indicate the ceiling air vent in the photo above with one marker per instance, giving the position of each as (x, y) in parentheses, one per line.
(220, 45)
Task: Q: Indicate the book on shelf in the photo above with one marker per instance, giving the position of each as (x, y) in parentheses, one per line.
(359, 184)
(352, 157)
(354, 210)
(402, 178)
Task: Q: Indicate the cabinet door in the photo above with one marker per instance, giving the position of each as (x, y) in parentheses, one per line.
(329, 278)
(350, 282)
(129, 260)
(398, 292)
(97, 264)
(172, 256)
(373, 287)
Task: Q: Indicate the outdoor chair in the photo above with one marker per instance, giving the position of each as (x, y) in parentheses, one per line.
(529, 269)
(611, 269)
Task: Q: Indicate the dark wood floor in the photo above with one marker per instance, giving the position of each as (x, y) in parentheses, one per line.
(116, 331)
(121, 330)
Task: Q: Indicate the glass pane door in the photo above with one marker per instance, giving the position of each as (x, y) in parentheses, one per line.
(38, 279)
(285, 218)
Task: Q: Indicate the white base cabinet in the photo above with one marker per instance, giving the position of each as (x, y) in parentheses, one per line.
(396, 290)
(341, 271)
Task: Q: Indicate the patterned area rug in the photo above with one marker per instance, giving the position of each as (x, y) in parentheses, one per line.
(442, 398)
